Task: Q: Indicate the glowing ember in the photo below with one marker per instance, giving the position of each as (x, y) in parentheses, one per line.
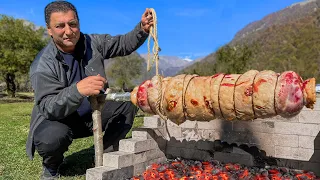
(214, 170)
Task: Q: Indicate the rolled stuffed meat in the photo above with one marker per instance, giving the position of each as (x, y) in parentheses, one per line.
(245, 96)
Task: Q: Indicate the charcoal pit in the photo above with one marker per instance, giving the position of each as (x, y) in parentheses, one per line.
(290, 146)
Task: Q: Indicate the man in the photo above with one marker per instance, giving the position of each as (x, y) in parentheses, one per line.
(68, 70)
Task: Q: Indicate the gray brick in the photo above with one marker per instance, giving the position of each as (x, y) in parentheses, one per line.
(147, 156)
(134, 145)
(311, 117)
(284, 152)
(204, 145)
(173, 152)
(306, 142)
(190, 134)
(195, 154)
(210, 135)
(118, 159)
(285, 140)
(148, 133)
(153, 121)
(215, 124)
(106, 173)
(268, 149)
(234, 158)
(236, 137)
(296, 128)
(174, 131)
(254, 126)
(309, 166)
(96, 172)
(181, 142)
(189, 124)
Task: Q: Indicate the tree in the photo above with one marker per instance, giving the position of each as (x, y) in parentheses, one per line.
(20, 41)
(125, 69)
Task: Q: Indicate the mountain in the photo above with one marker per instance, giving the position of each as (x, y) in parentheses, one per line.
(284, 40)
(169, 65)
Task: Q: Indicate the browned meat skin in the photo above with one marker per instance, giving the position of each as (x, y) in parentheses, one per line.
(248, 96)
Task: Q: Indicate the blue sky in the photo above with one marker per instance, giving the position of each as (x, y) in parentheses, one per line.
(186, 28)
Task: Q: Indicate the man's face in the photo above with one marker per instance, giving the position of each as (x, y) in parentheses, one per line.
(65, 30)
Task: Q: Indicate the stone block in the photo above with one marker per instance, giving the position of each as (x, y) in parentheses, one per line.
(173, 152)
(236, 137)
(245, 159)
(285, 140)
(96, 172)
(174, 131)
(263, 126)
(268, 150)
(296, 128)
(210, 135)
(205, 145)
(215, 124)
(153, 122)
(118, 159)
(307, 142)
(284, 152)
(189, 124)
(311, 117)
(195, 154)
(147, 156)
(106, 173)
(137, 145)
(190, 134)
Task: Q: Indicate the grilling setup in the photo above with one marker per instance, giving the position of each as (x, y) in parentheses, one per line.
(258, 125)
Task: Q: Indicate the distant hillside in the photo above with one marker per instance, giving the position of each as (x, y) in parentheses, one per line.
(285, 40)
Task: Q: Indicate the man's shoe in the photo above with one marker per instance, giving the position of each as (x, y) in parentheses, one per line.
(46, 175)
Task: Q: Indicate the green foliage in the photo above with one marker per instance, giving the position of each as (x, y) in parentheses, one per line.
(294, 45)
(124, 70)
(20, 41)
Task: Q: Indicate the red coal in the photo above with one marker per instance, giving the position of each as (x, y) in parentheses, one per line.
(214, 170)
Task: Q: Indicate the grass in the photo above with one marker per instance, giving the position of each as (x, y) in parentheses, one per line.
(14, 163)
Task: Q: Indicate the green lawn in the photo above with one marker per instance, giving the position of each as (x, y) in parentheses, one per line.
(14, 163)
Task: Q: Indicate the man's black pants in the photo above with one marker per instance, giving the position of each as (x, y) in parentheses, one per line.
(52, 138)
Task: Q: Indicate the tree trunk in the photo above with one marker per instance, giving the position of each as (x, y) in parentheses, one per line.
(11, 86)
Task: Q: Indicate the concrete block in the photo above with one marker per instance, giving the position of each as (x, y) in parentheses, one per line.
(96, 172)
(236, 137)
(205, 145)
(210, 135)
(137, 145)
(215, 124)
(269, 150)
(118, 159)
(174, 131)
(147, 156)
(285, 152)
(196, 154)
(296, 128)
(173, 152)
(311, 117)
(190, 134)
(153, 122)
(285, 140)
(107, 173)
(189, 124)
(307, 142)
(309, 166)
(263, 126)
(148, 133)
(247, 159)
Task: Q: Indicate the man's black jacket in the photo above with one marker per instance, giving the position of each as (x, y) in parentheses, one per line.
(54, 98)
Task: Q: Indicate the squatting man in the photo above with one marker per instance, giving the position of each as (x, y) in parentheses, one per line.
(62, 84)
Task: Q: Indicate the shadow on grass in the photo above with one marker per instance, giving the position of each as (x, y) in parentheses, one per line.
(77, 163)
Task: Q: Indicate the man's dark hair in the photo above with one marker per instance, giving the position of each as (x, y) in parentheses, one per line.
(58, 6)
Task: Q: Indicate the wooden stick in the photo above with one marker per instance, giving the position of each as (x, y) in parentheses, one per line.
(97, 104)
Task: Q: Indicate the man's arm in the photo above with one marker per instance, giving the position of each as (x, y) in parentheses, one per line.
(55, 101)
(121, 45)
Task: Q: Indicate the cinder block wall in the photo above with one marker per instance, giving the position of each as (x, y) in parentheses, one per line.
(293, 142)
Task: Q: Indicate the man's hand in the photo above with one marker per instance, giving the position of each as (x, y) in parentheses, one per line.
(91, 85)
(147, 20)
